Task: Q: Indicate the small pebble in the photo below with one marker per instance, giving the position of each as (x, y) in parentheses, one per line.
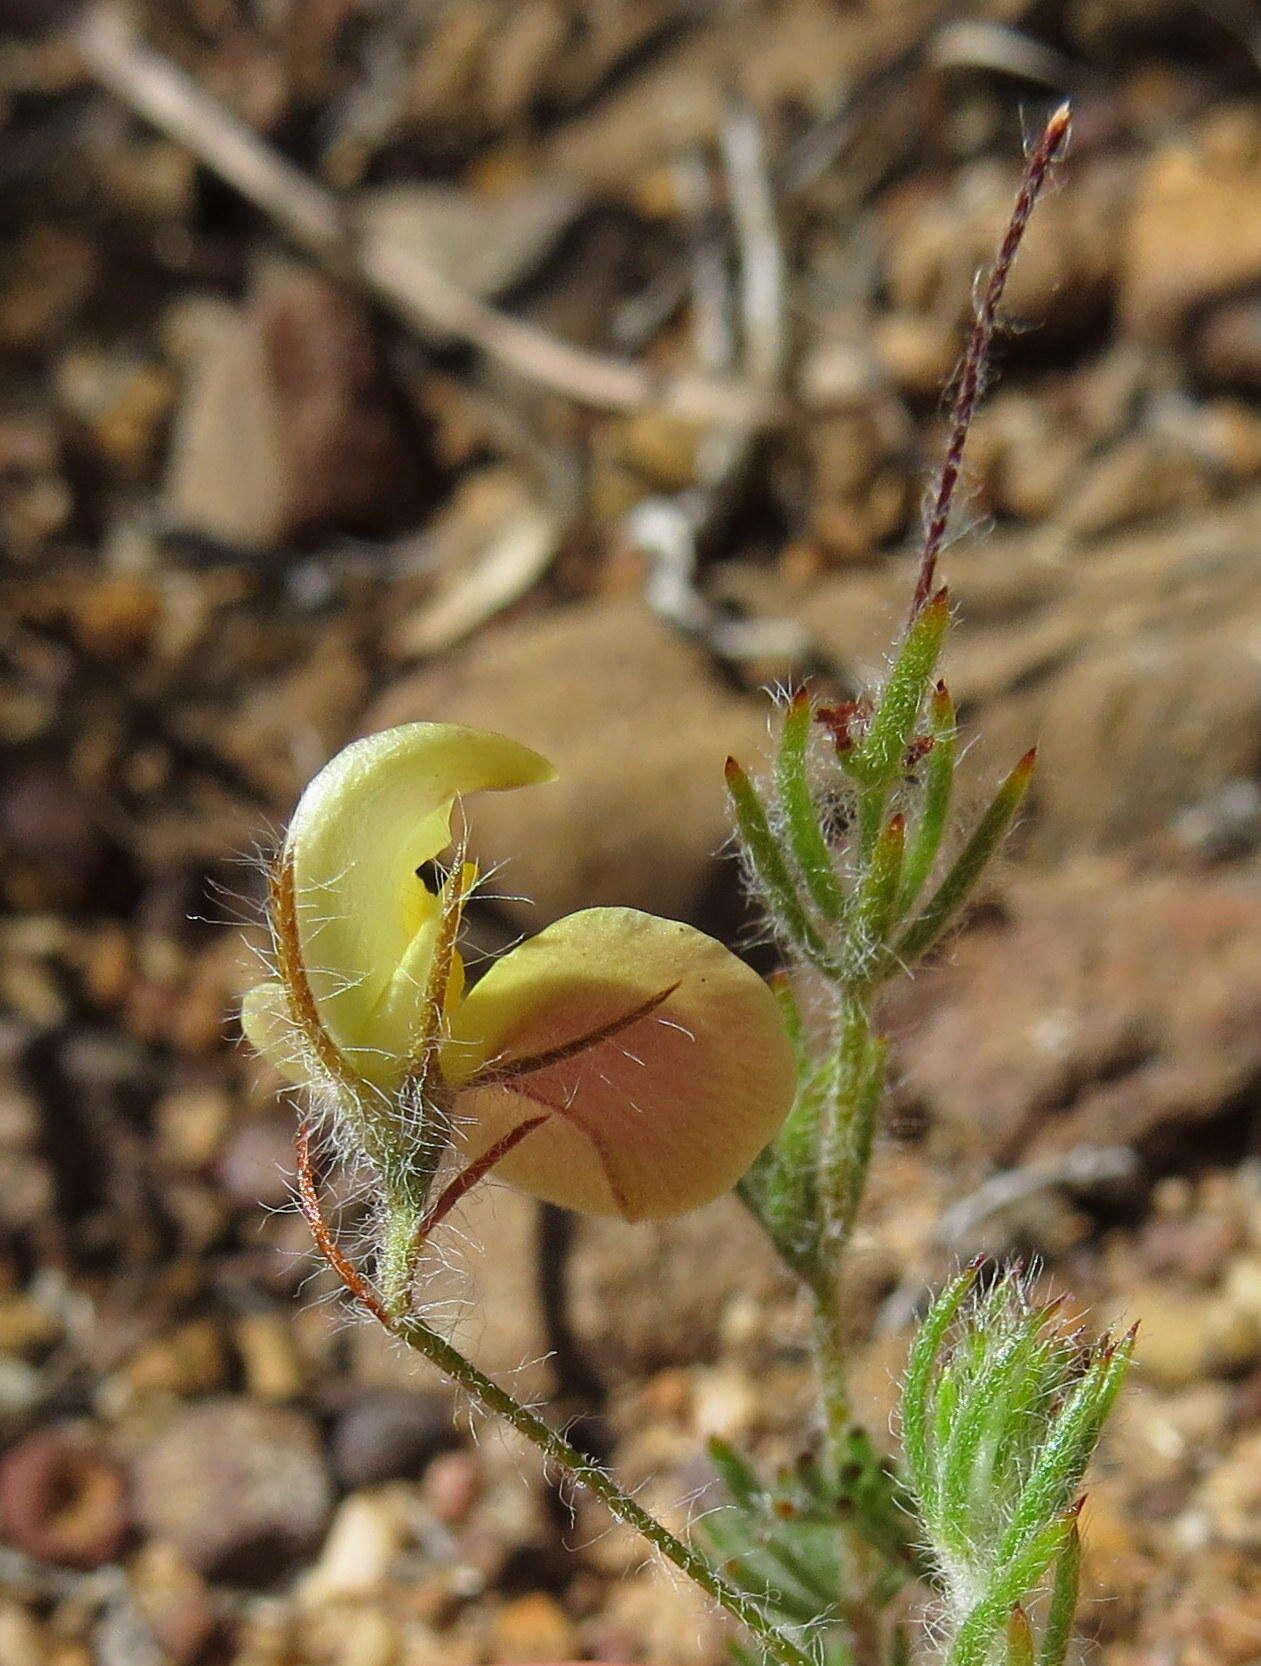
(452, 1485)
(386, 1434)
(534, 1628)
(274, 1371)
(62, 1501)
(240, 1489)
(366, 1535)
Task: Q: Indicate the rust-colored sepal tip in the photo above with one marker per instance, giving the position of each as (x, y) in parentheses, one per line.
(1026, 766)
(800, 700)
(1110, 1346)
(976, 1264)
(731, 769)
(1075, 1509)
(896, 828)
(1049, 1309)
(1056, 132)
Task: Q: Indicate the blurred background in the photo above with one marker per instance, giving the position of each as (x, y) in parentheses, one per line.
(577, 370)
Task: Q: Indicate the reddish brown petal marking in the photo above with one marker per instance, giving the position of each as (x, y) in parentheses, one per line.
(495, 1076)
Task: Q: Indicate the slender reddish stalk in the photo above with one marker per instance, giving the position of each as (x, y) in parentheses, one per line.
(1046, 152)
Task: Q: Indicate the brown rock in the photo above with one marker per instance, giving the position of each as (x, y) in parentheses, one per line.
(28, 1329)
(1062, 277)
(1227, 343)
(62, 1501)
(224, 469)
(275, 1371)
(1140, 479)
(386, 1433)
(191, 1124)
(174, 1601)
(638, 727)
(534, 1627)
(240, 1490)
(344, 457)
(283, 427)
(654, 1295)
(1231, 1495)
(453, 1485)
(1193, 235)
(190, 1360)
(257, 1166)
(1105, 1008)
(22, 1640)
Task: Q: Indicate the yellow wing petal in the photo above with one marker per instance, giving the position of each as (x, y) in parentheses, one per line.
(655, 1116)
(271, 1031)
(371, 817)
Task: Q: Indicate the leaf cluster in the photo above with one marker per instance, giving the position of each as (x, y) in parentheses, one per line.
(785, 1543)
(1002, 1410)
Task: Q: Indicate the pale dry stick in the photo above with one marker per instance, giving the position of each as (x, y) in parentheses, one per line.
(763, 273)
(157, 89)
(670, 528)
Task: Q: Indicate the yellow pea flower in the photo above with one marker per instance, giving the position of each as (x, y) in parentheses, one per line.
(647, 1064)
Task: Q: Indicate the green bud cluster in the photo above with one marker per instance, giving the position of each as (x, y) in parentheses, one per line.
(841, 849)
(1002, 1409)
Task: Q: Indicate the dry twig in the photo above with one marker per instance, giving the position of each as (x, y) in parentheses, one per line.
(155, 88)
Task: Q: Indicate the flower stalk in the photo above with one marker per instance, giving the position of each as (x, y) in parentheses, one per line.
(494, 1400)
(622, 1064)
(842, 848)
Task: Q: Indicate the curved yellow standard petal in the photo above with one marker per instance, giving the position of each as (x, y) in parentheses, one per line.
(661, 1057)
(368, 821)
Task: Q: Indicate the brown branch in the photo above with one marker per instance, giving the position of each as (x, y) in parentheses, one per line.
(158, 90)
(286, 935)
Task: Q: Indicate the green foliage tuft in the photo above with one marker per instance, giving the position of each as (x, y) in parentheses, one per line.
(1002, 1410)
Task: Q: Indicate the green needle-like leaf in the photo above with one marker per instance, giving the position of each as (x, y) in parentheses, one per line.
(916, 1441)
(878, 760)
(876, 898)
(768, 861)
(939, 773)
(1062, 1608)
(1013, 1582)
(970, 1436)
(969, 865)
(805, 831)
(1074, 1435)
